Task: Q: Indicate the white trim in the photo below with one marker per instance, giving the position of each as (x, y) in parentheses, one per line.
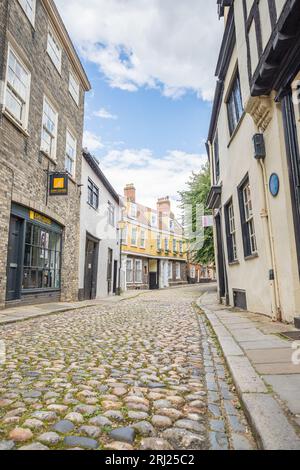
(54, 150)
(54, 35)
(68, 131)
(32, 20)
(75, 97)
(24, 122)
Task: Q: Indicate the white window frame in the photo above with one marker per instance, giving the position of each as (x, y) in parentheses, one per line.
(181, 247)
(51, 50)
(193, 272)
(174, 245)
(158, 242)
(9, 88)
(111, 214)
(24, 5)
(232, 230)
(129, 270)
(138, 271)
(133, 210)
(69, 157)
(154, 219)
(143, 239)
(124, 235)
(170, 270)
(74, 91)
(133, 240)
(178, 271)
(167, 248)
(52, 154)
(249, 219)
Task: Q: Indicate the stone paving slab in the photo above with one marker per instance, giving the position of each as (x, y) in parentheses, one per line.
(264, 410)
(265, 344)
(278, 369)
(273, 409)
(288, 388)
(270, 356)
(250, 334)
(245, 376)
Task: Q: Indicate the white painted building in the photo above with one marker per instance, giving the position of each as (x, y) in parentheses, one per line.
(99, 234)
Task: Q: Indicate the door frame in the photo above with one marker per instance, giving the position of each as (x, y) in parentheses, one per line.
(20, 258)
(96, 241)
(222, 273)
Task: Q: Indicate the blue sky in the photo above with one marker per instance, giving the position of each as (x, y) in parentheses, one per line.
(151, 65)
(145, 118)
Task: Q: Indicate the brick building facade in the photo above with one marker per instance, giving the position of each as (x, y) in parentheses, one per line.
(41, 127)
(154, 248)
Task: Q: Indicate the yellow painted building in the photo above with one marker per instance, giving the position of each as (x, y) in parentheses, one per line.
(154, 249)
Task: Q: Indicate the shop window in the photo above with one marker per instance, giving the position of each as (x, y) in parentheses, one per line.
(42, 259)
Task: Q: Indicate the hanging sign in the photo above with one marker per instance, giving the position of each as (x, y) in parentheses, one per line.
(58, 184)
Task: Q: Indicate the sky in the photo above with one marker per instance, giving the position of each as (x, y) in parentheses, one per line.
(151, 65)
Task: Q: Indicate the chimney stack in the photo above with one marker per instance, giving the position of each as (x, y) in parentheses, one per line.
(164, 205)
(129, 192)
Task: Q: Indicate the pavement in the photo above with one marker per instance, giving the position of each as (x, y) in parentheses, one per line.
(142, 373)
(25, 312)
(265, 368)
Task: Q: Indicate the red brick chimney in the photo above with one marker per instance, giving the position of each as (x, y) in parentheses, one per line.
(164, 205)
(129, 192)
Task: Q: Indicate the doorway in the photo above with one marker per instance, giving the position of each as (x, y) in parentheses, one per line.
(115, 276)
(153, 274)
(221, 264)
(91, 268)
(14, 262)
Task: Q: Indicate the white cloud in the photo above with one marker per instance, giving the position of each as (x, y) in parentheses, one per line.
(92, 142)
(104, 114)
(152, 177)
(166, 44)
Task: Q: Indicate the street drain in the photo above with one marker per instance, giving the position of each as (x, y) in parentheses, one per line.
(292, 335)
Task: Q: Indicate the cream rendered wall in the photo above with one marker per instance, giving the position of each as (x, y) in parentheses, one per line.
(95, 222)
(265, 20)
(236, 160)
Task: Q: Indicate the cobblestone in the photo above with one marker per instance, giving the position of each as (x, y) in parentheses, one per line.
(140, 374)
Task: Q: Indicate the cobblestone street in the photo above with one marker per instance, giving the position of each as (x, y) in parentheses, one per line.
(141, 374)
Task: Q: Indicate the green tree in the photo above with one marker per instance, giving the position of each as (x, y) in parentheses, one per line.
(197, 191)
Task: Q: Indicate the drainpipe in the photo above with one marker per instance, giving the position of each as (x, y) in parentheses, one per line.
(276, 306)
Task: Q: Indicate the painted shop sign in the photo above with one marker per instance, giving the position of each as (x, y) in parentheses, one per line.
(58, 184)
(39, 218)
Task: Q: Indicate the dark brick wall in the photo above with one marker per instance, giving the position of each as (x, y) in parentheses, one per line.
(21, 162)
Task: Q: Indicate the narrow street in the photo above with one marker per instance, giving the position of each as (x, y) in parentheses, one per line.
(141, 374)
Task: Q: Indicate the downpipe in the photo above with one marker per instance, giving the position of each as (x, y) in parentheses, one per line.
(276, 305)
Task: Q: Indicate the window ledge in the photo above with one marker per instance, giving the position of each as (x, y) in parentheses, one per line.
(234, 263)
(253, 256)
(92, 207)
(51, 159)
(72, 179)
(16, 123)
(236, 129)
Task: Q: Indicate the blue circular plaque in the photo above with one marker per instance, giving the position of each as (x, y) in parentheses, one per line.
(274, 184)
